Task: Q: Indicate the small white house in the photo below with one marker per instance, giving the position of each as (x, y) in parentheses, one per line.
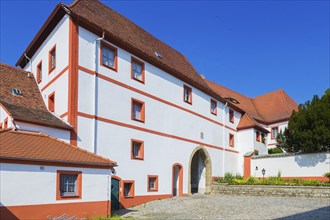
(43, 177)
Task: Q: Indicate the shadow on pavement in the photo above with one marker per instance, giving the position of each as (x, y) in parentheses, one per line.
(321, 213)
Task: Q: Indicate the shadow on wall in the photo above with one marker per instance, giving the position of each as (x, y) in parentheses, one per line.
(310, 160)
(321, 213)
(5, 213)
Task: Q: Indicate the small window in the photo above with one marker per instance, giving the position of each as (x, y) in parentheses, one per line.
(258, 136)
(137, 150)
(52, 59)
(187, 94)
(263, 138)
(51, 102)
(231, 115)
(213, 107)
(274, 132)
(138, 110)
(39, 72)
(137, 70)
(129, 188)
(108, 56)
(16, 92)
(231, 140)
(5, 123)
(68, 184)
(152, 183)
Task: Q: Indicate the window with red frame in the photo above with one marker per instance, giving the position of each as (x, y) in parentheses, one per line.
(258, 136)
(274, 132)
(263, 138)
(39, 72)
(138, 110)
(152, 183)
(128, 188)
(213, 107)
(52, 59)
(231, 140)
(187, 94)
(51, 102)
(137, 150)
(108, 56)
(231, 115)
(137, 70)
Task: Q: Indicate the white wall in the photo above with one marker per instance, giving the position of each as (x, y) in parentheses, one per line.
(303, 165)
(3, 116)
(23, 184)
(59, 37)
(61, 134)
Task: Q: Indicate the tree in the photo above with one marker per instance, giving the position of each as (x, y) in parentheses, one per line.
(309, 128)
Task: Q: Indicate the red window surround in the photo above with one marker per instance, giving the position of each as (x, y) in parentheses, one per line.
(39, 72)
(231, 116)
(128, 186)
(52, 59)
(231, 140)
(152, 183)
(187, 94)
(213, 107)
(137, 154)
(138, 110)
(78, 185)
(136, 73)
(104, 46)
(51, 102)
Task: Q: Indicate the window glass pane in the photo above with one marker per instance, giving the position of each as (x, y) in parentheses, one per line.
(136, 149)
(137, 71)
(108, 56)
(152, 183)
(127, 189)
(68, 184)
(187, 92)
(137, 107)
(53, 59)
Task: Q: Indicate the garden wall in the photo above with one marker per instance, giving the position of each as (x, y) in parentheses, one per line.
(305, 166)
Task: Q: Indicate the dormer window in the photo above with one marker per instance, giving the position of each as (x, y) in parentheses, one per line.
(16, 92)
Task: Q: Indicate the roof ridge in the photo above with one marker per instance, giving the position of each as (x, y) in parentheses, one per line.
(72, 4)
(284, 102)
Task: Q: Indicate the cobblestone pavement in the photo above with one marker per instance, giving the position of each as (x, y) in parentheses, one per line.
(200, 206)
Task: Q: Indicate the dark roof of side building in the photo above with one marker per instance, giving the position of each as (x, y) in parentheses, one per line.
(23, 146)
(29, 107)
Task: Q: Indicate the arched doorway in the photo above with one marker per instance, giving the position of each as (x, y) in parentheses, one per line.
(115, 195)
(200, 173)
(177, 180)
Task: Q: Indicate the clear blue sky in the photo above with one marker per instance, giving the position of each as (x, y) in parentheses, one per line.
(252, 47)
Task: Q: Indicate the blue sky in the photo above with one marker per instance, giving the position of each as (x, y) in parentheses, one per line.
(252, 47)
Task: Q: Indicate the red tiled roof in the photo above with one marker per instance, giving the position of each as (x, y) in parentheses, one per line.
(29, 107)
(268, 108)
(248, 122)
(38, 147)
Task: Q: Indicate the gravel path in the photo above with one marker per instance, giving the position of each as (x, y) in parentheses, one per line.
(200, 206)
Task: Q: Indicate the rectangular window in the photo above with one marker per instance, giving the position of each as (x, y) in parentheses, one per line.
(231, 140)
(68, 185)
(263, 138)
(231, 115)
(51, 102)
(258, 136)
(39, 72)
(213, 107)
(5, 123)
(187, 94)
(137, 150)
(108, 56)
(274, 132)
(152, 183)
(128, 188)
(52, 59)
(138, 110)
(137, 70)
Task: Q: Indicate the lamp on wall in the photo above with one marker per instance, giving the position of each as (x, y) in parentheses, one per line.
(263, 171)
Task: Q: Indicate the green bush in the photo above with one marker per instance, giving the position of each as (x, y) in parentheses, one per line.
(252, 180)
(229, 177)
(327, 175)
(275, 151)
(238, 176)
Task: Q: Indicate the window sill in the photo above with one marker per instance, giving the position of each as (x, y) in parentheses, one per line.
(188, 102)
(137, 158)
(128, 197)
(214, 113)
(140, 81)
(152, 190)
(109, 67)
(138, 120)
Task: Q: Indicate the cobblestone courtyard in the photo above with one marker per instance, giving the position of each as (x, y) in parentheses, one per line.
(231, 207)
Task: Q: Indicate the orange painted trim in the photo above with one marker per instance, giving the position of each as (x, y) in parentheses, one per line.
(73, 80)
(231, 140)
(52, 163)
(258, 136)
(83, 210)
(51, 102)
(272, 134)
(215, 111)
(135, 60)
(180, 193)
(156, 183)
(54, 79)
(5, 123)
(50, 68)
(64, 115)
(135, 101)
(78, 186)
(132, 190)
(141, 149)
(185, 87)
(272, 144)
(231, 116)
(151, 131)
(115, 50)
(150, 96)
(39, 72)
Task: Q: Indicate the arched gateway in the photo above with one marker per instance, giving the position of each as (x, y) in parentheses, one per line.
(200, 171)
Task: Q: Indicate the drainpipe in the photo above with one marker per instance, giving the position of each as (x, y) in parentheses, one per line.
(30, 63)
(223, 139)
(95, 92)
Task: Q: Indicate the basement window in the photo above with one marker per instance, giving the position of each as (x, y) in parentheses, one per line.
(152, 183)
(128, 188)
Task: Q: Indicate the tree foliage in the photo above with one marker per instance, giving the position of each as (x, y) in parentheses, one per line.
(309, 128)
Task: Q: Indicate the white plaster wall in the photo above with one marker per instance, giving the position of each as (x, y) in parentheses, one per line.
(3, 116)
(29, 185)
(59, 37)
(61, 134)
(303, 165)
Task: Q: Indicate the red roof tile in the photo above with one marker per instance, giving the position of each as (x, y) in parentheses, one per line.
(38, 147)
(29, 107)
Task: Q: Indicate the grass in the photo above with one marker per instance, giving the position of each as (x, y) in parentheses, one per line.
(276, 181)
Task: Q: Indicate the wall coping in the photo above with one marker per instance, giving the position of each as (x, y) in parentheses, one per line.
(284, 155)
(273, 186)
